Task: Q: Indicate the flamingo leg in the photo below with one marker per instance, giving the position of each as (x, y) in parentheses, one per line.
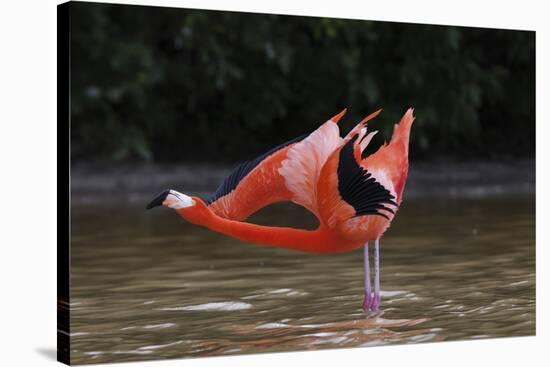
(375, 305)
(367, 302)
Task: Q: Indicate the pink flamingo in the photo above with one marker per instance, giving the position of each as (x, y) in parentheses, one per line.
(354, 198)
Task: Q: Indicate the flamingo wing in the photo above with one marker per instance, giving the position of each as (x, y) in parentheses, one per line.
(358, 186)
(252, 185)
(302, 168)
(349, 190)
(288, 172)
(359, 197)
(393, 158)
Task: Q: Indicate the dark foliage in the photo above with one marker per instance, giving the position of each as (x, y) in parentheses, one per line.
(168, 84)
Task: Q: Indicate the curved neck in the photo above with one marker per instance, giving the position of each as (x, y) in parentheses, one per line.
(320, 240)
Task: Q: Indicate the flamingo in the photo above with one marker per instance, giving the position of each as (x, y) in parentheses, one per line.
(354, 198)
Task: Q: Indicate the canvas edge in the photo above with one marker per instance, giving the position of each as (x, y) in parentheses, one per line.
(63, 183)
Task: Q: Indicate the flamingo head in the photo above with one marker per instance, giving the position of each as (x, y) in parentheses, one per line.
(172, 199)
(191, 208)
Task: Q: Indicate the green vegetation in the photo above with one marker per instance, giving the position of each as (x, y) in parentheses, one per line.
(164, 84)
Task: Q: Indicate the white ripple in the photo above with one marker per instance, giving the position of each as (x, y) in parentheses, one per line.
(159, 326)
(152, 347)
(281, 290)
(391, 293)
(271, 325)
(213, 306)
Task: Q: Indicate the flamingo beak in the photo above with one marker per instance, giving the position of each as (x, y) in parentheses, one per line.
(158, 200)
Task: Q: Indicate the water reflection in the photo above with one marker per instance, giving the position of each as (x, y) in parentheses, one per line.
(147, 285)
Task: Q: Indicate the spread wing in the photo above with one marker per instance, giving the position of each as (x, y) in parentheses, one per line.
(348, 190)
(359, 197)
(305, 160)
(252, 185)
(288, 172)
(359, 188)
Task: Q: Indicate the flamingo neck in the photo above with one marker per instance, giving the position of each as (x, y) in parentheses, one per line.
(320, 240)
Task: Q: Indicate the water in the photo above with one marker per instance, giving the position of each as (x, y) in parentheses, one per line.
(146, 285)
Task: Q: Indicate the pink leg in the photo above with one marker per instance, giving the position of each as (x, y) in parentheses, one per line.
(375, 306)
(369, 297)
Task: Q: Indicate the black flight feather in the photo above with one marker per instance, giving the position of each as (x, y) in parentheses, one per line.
(359, 188)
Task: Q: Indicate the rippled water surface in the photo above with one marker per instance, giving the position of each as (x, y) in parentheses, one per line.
(146, 285)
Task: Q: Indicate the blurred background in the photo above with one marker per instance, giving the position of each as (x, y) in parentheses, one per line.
(174, 98)
(153, 84)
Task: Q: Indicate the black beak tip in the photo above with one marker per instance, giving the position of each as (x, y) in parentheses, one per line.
(158, 200)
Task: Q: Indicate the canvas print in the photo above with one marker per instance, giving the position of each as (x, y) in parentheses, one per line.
(235, 183)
